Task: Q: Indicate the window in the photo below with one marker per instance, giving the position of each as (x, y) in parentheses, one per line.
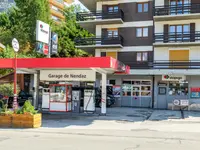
(181, 30)
(142, 32)
(113, 9)
(178, 88)
(136, 88)
(143, 7)
(112, 33)
(143, 56)
(177, 7)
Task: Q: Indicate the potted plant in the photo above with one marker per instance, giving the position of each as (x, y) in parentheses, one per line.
(26, 117)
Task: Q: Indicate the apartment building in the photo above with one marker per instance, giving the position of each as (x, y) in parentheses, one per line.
(123, 29)
(176, 50)
(158, 39)
(57, 7)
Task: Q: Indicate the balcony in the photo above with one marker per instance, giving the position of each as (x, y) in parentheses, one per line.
(175, 12)
(176, 38)
(89, 20)
(166, 64)
(90, 43)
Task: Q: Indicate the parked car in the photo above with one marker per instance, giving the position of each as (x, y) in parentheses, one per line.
(21, 99)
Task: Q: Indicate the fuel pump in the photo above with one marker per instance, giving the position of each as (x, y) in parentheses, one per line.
(76, 100)
(89, 100)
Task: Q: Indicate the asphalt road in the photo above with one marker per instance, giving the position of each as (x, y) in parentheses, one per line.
(59, 139)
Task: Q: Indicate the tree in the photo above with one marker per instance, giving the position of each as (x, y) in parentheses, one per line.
(20, 22)
(68, 31)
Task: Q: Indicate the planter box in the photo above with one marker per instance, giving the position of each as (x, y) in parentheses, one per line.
(21, 121)
(26, 121)
(6, 121)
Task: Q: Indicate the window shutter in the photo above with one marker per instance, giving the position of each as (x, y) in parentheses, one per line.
(192, 32)
(166, 33)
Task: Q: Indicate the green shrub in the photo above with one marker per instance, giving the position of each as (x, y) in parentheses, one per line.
(7, 89)
(4, 109)
(27, 108)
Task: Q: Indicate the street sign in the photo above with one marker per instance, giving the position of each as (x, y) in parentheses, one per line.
(15, 45)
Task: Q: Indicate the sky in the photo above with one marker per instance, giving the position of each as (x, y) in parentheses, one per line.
(77, 2)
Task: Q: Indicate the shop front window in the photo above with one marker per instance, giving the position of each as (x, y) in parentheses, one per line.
(178, 88)
(139, 88)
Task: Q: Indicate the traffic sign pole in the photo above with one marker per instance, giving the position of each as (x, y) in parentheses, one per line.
(15, 45)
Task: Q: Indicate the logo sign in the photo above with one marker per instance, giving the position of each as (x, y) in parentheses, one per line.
(67, 75)
(176, 102)
(54, 43)
(42, 32)
(15, 45)
(173, 77)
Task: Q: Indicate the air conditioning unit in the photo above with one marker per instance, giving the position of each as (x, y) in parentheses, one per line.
(176, 102)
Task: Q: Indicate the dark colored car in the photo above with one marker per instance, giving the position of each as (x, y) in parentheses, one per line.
(21, 99)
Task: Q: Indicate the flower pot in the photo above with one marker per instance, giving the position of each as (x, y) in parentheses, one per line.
(6, 121)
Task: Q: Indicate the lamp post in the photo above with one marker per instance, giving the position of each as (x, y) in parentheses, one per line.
(15, 45)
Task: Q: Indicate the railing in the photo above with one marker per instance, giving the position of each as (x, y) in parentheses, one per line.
(165, 64)
(174, 64)
(176, 9)
(98, 15)
(172, 37)
(99, 41)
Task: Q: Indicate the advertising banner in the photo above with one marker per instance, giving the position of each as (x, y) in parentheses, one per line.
(54, 43)
(117, 91)
(67, 75)
(195, 92)
(42, 32)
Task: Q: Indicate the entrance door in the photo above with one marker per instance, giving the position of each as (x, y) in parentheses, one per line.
(162, 96)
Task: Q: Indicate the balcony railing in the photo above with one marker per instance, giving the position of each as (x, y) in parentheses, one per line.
(99, 41)
(174, 64)
(176, 9)
(99, 15)
(173, 37)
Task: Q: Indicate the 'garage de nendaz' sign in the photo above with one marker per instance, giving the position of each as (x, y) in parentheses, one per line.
(67, 75)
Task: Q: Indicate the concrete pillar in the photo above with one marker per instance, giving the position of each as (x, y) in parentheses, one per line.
(104, 94)
(34, 91)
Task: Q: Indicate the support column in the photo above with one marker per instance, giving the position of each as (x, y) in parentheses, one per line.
(104, 94)
(35, 91)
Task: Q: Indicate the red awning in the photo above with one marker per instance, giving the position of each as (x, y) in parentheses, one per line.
(67, 63)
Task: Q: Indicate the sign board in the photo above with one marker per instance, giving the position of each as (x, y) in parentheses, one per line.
(117, 91)
(195, 92)
(173, 77)
(184, 102)
(42, 32)
(67, 75)
(15, 45)
(42, 48)
(54, 43)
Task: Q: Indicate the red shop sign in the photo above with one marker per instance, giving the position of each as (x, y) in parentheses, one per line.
(195, 89)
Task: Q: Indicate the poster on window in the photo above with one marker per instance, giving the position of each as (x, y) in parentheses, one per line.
(195, 92)
(117, 91)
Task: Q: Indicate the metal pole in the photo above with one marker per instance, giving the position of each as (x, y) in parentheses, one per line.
(15, 104)
(49, 52)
